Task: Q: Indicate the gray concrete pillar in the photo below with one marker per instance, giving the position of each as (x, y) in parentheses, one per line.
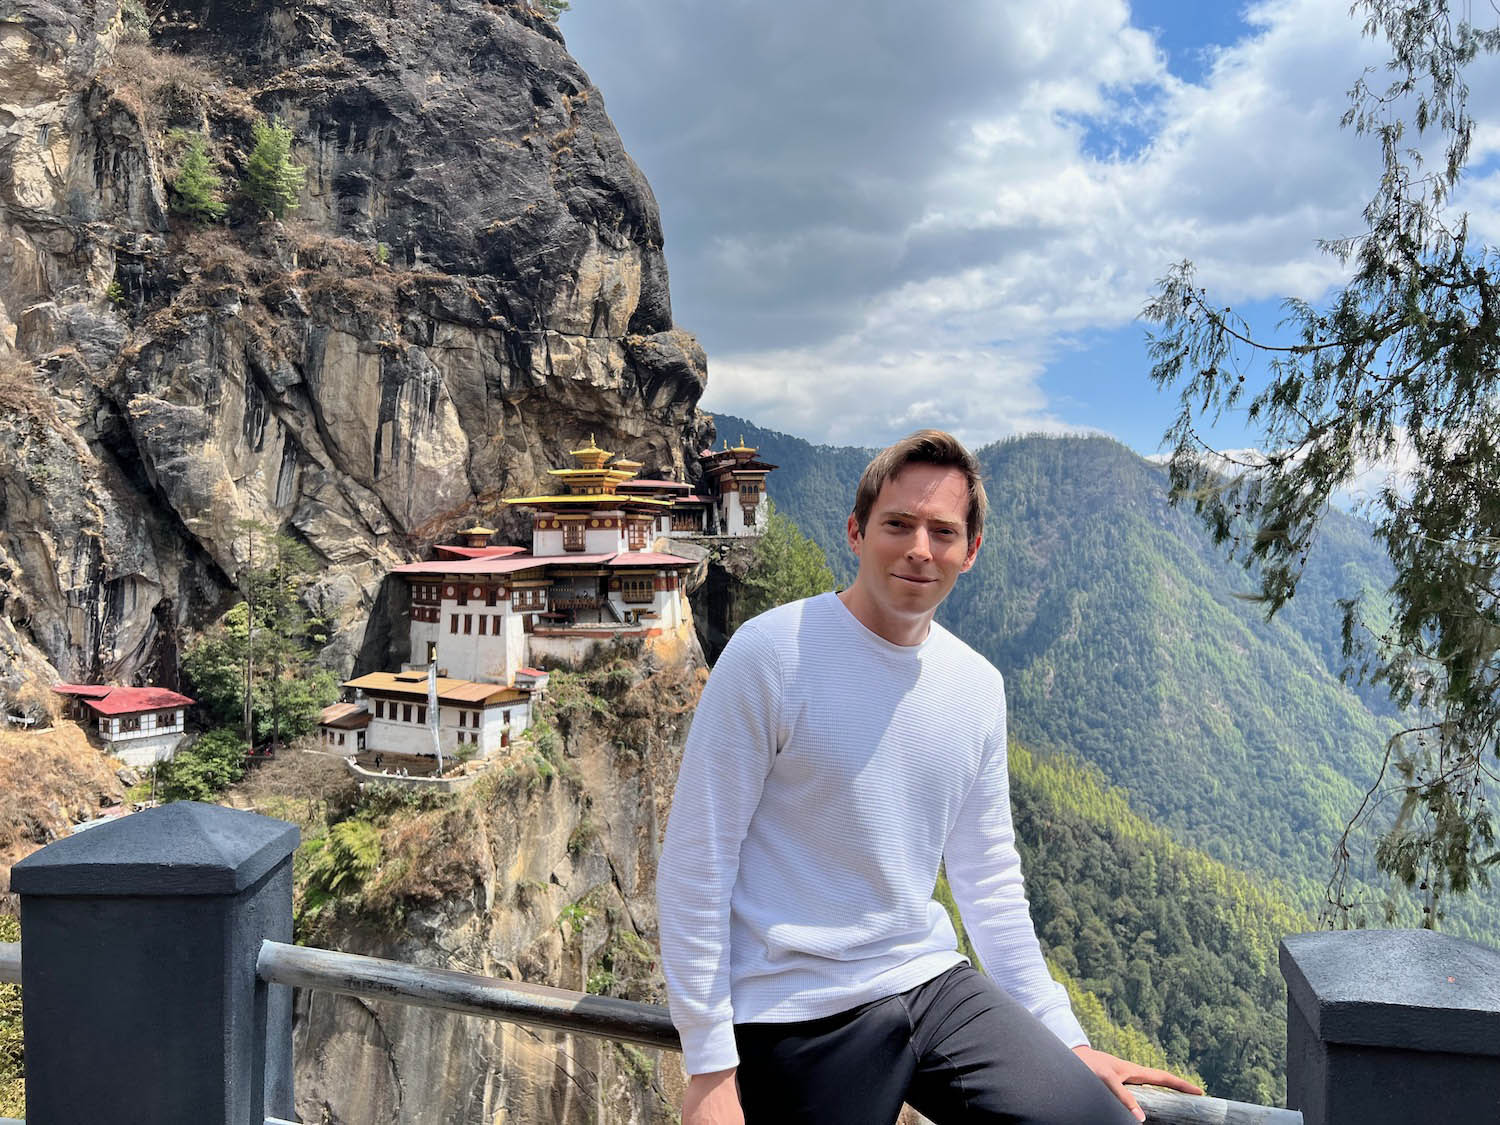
(1387, 1026)
(140, 1001)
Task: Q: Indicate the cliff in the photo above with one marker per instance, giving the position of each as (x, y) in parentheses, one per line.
(545, 871)
(473, 281)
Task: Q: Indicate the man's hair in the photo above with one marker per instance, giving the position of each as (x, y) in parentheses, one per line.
(925, 447)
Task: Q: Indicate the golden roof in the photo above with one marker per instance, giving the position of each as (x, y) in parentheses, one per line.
(603, 501)
(591, 456)
(477, 529)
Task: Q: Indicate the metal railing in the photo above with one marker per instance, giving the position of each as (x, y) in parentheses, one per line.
(558, 1009)
(535, 1005)
(131, 922)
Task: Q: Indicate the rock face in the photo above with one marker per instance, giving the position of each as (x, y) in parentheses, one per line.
(473, 282)
(544, 871)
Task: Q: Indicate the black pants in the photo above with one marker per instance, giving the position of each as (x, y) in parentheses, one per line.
(958, 1049)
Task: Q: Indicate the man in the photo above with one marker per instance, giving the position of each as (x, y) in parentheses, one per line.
(844, 746)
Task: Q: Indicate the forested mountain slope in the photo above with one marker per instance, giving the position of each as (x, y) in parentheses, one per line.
(1125, 639)
(1172, 944)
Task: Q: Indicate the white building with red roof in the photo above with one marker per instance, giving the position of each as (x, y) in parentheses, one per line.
(139, 725)
(482, 616)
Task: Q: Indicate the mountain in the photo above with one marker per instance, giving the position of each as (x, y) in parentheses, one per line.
(1164, 943)
(1126, 639)
(471, 284)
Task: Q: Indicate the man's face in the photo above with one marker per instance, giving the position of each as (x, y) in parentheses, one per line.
(915, 543)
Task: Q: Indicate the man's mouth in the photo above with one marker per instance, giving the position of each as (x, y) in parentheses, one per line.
(914, 579)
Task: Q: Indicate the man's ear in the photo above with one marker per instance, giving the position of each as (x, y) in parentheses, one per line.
(973, 553)
(855, 536)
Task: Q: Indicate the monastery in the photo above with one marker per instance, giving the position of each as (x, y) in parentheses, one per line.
(139, 725)
(483, 616)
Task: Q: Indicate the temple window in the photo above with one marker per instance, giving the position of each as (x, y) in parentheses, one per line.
(380, 708)
(468, 623)
(406, 712)
(421, 713)
(463, 718)
(484, 619)
(637, 589)
(573, 535)
(453, 623)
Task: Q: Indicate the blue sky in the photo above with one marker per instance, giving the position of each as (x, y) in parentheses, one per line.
(882, 216)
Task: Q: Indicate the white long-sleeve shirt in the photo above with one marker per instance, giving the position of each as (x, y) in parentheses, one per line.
(827, 774)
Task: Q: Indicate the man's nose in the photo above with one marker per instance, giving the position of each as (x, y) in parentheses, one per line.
(921, 544)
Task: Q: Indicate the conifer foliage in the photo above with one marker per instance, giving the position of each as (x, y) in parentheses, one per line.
(195, 191)
(1403, 360)
(272, 181)
(787, 566)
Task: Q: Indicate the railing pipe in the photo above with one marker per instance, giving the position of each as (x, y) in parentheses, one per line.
(536, 1005)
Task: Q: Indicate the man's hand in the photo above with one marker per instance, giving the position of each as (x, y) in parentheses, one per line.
(712, 1099)
(1115, 1073)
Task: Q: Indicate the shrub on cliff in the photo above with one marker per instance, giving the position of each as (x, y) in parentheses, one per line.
(787, 566)
(205, 769)
(276, 659)
(12, 1049)
(272, 181)
(195, 190)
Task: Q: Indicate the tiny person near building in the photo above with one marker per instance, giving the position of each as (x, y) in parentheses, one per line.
(844, 747)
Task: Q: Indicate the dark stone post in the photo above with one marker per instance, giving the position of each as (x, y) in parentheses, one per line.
(1387, 1026)
(140, 999)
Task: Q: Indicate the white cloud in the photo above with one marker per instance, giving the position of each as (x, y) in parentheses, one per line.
(885, 216)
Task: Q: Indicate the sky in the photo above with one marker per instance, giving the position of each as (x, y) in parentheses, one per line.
(883, 216)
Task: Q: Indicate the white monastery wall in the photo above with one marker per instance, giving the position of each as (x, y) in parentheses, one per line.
(387, 737)
(464, 652)
(546, 542)
(569, 650)
(515, 645)
(603, 540)
(144, 751)
(423, 633)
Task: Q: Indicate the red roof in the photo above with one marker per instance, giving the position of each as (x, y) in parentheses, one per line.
(474, 566)
(478, 552)
(124, 700)
(526, 562)
(84, 691)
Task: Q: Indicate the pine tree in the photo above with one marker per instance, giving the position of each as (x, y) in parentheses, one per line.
(272, 181)
(1401, 359)
(195, 191)
(787, 566)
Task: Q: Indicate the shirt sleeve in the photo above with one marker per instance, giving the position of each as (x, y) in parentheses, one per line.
(984, 871)
(731, 747)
